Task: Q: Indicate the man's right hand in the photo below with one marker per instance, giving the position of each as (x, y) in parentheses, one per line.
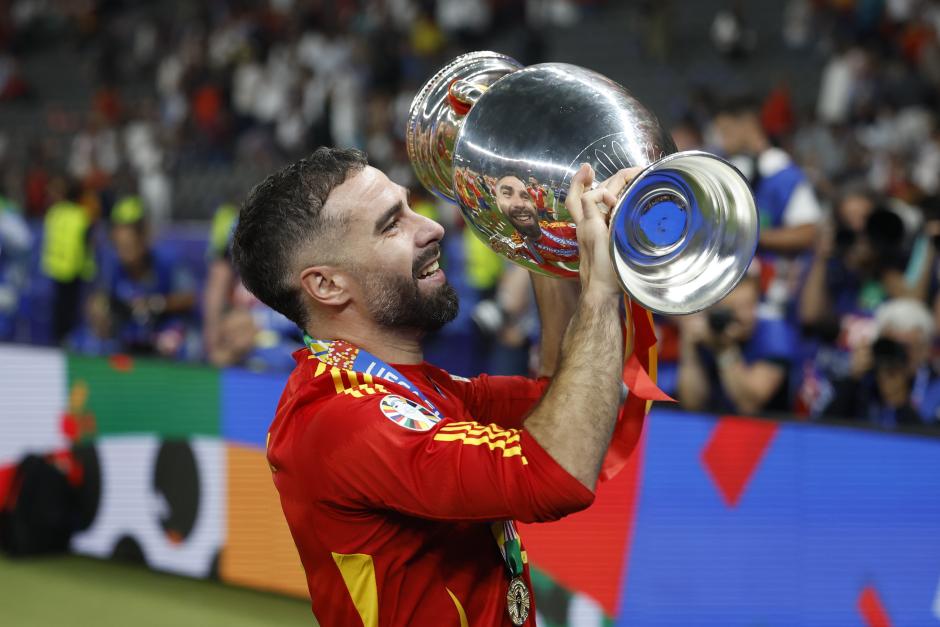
(590, 209)
(575, 419)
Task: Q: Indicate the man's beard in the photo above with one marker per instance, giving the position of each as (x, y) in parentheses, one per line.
(396, 302)
(531, 230)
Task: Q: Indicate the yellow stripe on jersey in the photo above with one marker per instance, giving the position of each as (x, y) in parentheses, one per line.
(353, 388)
(474, 424)
(358, 573)
(508, 451)
(463, 437)
(338, 382)
(474, 428)
(461, 614)
(514, 451)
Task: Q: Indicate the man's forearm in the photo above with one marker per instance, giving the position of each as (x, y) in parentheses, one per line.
(575, 419)
(557, 301)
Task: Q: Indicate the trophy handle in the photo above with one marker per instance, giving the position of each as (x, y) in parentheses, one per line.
(436, 115)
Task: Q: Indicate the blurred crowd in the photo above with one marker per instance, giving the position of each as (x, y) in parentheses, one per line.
(837, 316)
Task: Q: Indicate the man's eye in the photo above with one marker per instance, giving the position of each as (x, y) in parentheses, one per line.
(391, 225)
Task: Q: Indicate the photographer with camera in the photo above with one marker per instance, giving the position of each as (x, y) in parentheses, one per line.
(733, 359)
(890, 381)
(862, 260)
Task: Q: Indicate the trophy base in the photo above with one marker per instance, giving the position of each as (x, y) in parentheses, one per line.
(679, 231)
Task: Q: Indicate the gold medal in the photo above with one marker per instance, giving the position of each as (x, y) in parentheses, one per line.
(517, 601)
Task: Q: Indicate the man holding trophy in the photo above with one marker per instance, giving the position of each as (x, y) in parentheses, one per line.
(400, 483)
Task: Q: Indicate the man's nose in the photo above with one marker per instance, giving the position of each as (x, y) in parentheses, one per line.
(429, 232)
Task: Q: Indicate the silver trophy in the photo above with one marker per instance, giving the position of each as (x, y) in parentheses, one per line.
(503, 141)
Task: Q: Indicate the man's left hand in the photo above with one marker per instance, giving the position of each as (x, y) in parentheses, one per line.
(619, 181)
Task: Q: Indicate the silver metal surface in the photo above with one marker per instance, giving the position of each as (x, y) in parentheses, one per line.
(682, 260)
(503, 143)
(433, 124)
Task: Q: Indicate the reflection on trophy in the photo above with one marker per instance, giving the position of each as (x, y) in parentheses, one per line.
(551, 245)
(503, 141)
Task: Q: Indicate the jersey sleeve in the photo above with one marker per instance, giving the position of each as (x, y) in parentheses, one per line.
(505, 400)
(371, 454)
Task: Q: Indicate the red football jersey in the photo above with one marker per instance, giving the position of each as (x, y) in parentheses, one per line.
(390, 507)
(558, 242)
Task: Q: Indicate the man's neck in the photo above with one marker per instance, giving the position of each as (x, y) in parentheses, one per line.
(391, 346)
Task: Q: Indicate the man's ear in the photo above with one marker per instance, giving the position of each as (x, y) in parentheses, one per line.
(326, 285)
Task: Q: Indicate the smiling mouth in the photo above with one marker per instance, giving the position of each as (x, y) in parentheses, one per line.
(429, 270)
(522, 216)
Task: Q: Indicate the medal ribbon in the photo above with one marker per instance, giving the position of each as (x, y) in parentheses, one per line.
(509, 546)
(348, 357)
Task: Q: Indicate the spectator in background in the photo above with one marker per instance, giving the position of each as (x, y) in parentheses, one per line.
(95, 155)
(13, 85)
(217, 293)
(36, 181)
(926, 167)
(788, 207)
(862, 260)
(657, 27)
(891, 381)
(67, 256)
(238, 329)
(732, 358)
(146, 157)
(510, 321)
(687, 135)
(731, 34)
(15, 243)
(150, 296)
(838, 84)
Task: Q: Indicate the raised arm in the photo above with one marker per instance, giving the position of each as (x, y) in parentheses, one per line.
(575, 419)
(465, 469)
(814, 301)
(557, 299)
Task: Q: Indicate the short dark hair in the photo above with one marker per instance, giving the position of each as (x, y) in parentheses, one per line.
(281, 215)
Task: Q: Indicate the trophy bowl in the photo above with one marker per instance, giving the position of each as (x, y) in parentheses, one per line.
(503, 141)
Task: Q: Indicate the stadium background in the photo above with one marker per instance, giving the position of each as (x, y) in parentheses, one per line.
(718, 520)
